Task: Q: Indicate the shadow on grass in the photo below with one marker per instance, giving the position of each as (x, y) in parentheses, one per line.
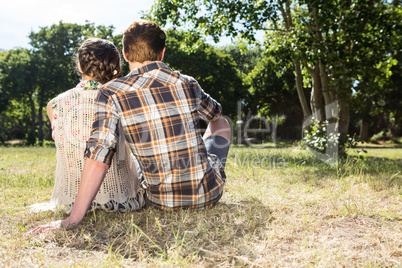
(185, 236)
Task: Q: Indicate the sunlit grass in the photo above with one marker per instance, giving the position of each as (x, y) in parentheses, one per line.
(281, 207)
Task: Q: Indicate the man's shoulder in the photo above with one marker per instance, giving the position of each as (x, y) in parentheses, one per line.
(115, 85)
(117, 81)
(187, 78)
(177, 78)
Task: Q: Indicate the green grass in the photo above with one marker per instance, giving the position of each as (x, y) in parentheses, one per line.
(281, 207)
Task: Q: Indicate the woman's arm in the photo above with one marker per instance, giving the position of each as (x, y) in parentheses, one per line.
(49, 109)
(92, 177)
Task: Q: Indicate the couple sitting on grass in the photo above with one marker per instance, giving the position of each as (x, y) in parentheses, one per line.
(153, 111)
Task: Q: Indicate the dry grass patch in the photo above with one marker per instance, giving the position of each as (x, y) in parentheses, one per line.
(281, 208)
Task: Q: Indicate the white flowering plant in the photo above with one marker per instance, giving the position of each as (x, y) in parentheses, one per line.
(323, 138)
(317, 138)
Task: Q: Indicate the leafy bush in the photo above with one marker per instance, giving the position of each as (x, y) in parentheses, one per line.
(316, 137)
(319, 138)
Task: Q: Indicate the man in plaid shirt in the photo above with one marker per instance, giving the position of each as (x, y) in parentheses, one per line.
(158, 110)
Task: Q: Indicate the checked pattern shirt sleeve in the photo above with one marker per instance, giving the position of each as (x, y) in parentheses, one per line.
(104, 137)
(208, 108)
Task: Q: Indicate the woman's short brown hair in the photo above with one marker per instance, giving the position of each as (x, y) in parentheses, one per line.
(143, 41)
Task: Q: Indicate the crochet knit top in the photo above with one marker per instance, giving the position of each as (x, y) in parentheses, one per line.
(73, 115)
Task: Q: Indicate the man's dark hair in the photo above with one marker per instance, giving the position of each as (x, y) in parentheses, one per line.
(143, 41)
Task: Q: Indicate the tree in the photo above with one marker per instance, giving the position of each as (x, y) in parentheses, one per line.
(333, 43)
(18, 82)
(272, 87)
(379, 108)
(339, 42)
(246, 57)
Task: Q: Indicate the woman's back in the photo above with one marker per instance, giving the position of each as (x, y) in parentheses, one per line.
(73, 114)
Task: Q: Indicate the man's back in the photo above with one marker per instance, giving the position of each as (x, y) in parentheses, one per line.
(159, 112)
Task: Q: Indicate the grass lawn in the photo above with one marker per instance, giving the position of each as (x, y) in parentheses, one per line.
(281, 207)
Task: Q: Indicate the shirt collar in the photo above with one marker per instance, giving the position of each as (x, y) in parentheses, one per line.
(88, 85)
(148, 67)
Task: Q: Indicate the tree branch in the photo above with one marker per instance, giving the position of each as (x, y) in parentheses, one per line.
(276, 30)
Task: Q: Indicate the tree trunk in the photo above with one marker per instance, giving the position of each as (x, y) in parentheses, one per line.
(40, 121)
(316, 101)
(32, 134)
(287, 15)
(325, 84)
(364, 127)
(343, 123)
(300, 91)
(344, 113)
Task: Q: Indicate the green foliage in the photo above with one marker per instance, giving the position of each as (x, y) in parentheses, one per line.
(214, 18)
(55, 47)
(332, 43)
(245, 57)
(341, 47)
(215, 71)
(318, 139)
(272, 87)
(18, 75)
(381, 106)
(14, 120)
(18, 82)
(352, 38)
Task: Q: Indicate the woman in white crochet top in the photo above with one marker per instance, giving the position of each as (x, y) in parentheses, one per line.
(72, 115)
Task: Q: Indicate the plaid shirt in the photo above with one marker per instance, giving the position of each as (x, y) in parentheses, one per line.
(159, 112)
